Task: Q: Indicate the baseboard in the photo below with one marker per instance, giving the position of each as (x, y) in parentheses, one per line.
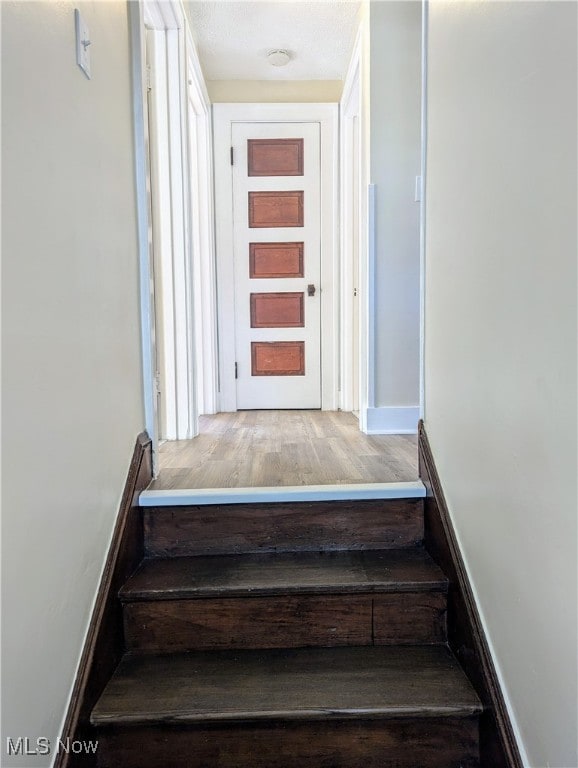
(466, 636)
(392, 420)
(104, 642)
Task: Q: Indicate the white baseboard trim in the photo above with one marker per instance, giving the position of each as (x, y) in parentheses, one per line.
(392, 420)
(178, 497)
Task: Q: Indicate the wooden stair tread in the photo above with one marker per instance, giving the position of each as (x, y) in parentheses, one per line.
(302, 684)
(284, 573)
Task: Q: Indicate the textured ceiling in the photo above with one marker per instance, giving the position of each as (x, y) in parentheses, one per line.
(233, 38)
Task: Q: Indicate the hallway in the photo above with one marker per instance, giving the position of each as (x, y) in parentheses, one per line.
(496, 323)
(284, 448)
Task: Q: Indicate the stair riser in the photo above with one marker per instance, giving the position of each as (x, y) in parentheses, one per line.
(419, 743)
(246, 528)
(286, 622)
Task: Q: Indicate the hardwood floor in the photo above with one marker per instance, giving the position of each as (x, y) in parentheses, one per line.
(251, 449)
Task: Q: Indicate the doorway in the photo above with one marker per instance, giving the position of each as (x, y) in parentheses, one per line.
(178, 276)
(356, 355)
(277, 255)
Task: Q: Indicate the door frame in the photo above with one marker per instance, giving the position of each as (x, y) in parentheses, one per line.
(145, 256)
(167, 17)
(204, 278)
(224, 115)
(170, 190)
(353, 224)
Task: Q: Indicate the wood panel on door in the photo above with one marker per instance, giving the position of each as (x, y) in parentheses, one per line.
(276, 209)
(275, 157)
(277, 249)
(277, 310)
(278, 358)
(268, 260)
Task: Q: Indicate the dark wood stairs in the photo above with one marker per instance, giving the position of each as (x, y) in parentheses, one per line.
(287, 636)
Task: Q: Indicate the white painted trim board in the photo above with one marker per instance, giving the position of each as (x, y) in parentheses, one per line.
(201, 215)
(349, 110)
(422, 207)
(140, 129)
(392, 420)
(203, 496)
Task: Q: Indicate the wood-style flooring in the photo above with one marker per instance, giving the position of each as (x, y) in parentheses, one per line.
(253, 449)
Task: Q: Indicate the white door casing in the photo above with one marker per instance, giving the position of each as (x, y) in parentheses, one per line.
(201, 216)
(277, 268)
(355, 325)
(168, 263)
(225, 116)
(142, 178)
(354, 293)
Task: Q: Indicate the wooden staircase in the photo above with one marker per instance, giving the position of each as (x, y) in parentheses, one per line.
(278, 635)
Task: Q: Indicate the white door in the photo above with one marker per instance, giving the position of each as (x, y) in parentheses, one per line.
(277, 264)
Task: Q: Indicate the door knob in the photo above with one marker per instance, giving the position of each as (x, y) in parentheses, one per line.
(311, 289)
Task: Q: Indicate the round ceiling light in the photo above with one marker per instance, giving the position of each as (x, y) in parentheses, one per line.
(278, 57)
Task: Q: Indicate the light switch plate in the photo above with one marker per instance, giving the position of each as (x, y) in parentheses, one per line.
(82, 43)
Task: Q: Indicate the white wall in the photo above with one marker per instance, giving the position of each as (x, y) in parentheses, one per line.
(501, 337)
(72, 403)
(278, 91)
(395, 161)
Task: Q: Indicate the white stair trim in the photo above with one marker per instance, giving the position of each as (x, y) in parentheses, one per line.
(195, 496)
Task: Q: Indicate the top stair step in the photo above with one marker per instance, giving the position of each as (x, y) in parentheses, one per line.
(283, 527)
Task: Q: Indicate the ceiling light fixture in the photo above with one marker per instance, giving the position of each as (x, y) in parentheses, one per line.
(278, 57)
